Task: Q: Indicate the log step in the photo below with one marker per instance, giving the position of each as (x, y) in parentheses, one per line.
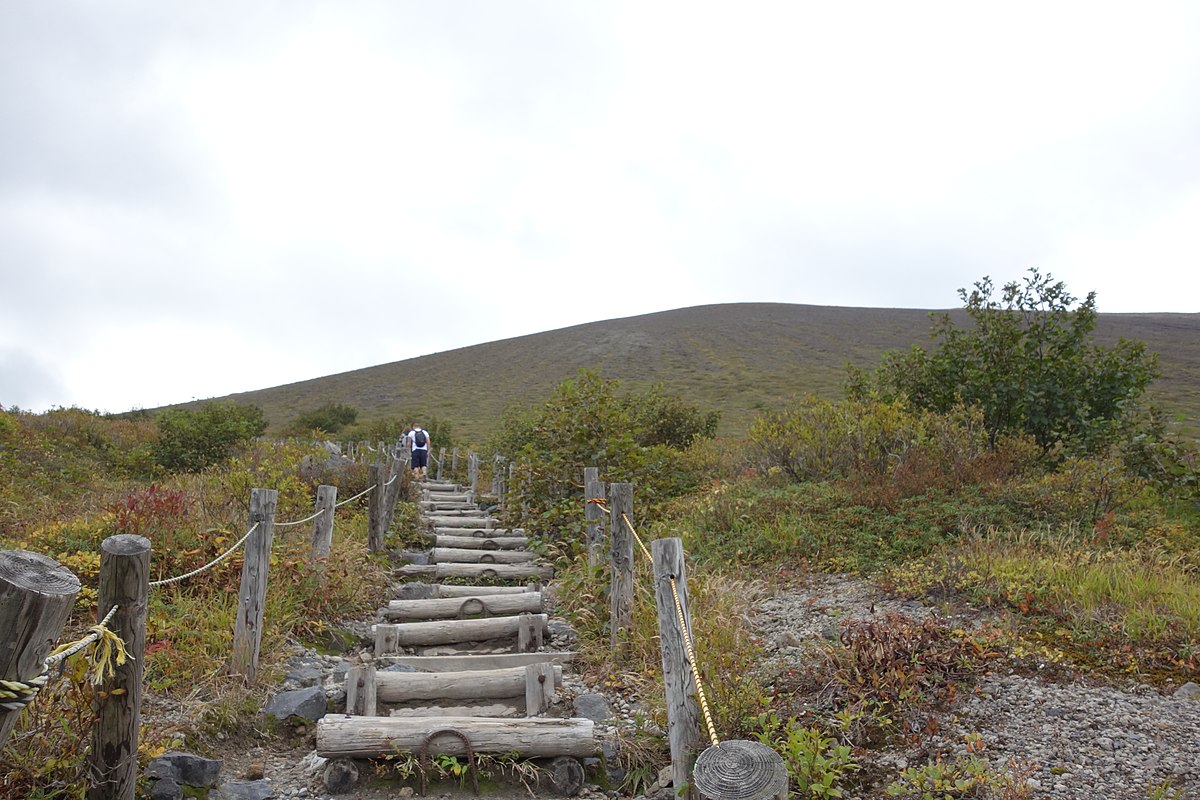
(345, 736)
(530, 627)
(468, 663)
(447, 497)
(487, 684)
(453, 519)
(461, 555)
(472, 531)
(493, 571)
(482, 542)
(460, 607)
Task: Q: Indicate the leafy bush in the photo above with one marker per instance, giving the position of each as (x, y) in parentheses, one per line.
(1027, 361)
(817, 764)
(328, 418)
(192, 440)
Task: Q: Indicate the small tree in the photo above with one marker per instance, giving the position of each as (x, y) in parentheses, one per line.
(1028, 362)
(190, 440)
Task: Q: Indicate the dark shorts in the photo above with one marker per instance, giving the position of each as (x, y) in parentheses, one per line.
(420, 458)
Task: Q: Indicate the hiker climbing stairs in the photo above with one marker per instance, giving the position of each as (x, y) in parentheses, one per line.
(459, 669)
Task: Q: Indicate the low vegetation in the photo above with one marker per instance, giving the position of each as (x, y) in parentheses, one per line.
(1076, 527)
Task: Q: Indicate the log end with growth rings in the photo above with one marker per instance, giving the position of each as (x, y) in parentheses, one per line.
(740, 770)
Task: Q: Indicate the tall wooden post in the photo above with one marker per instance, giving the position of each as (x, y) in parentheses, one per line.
(497, 460)
(508, 483)
(36, 597)
(124, 582)
(473, 473)
(593, 489)
(454, 463)
(621, 555)
(375, 506)
(322, 536)
(441, 462)
(252, 596)
(683, 718)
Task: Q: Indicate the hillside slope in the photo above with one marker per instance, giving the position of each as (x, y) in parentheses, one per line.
(737, 358)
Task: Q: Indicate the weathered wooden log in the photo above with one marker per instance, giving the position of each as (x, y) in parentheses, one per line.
(470, 663)
(594, 512)
(457, 555)
(36, 597)
(445, 497)
(375, 508)
(496, 571)
(322, 535)
(509, 707)
(343, 736)
(683, 717)
(252, 594)
(482, 542)
(530, 630)
(124, 582)
(451, 590)
(416, 571)
(459, 519)
(566, 775)
(740, 770)
(461, 607)
(400, 687)
(484, 532)
(621, 559)
(451, 631)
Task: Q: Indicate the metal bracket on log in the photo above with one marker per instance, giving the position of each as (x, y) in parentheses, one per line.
(424, 755)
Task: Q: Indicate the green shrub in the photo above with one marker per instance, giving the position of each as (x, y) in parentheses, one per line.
(328, 418)
(192, 440)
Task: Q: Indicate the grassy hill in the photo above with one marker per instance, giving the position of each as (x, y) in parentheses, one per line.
(737, 358)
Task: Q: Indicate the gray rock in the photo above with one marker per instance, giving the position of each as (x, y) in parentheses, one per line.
(593, 706)
(306, 704)
(245, 790)
(166, 789)
(185, 768)
(305, 672)
(1189, 691)
(666, 777)
(341, 776)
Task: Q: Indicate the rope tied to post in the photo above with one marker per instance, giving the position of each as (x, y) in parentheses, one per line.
(15, 694)
(687, 638)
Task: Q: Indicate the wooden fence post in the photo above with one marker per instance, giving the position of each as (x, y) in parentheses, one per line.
(473, 472)
(683, 718)
(441, 462)
(36, 597)
(454, 462)
(399, 472)
(375, 506)
(497, 460)
(247, 632)
(508, 483)
(593, 489)
(322, 536)
(124, 582)
(621, 554)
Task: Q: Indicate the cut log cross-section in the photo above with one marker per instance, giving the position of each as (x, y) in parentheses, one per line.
(343, 736)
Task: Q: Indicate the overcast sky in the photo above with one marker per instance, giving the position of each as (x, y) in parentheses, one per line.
(204, 198)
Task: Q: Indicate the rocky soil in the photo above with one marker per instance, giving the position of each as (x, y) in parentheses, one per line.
(1073, 737)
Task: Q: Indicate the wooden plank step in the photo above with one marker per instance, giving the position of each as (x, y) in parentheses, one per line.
(487, 684)
(345, 736)
(389, 637)
(459, 607)
(482, 542)
(464, 663)
(461, 555)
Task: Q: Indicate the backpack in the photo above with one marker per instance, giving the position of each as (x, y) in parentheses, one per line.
(419, 438)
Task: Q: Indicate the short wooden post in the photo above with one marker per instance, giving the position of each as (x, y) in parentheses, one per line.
(683, 718)
(593, 489)
(539, 688)
(741, 770)
(375, 506)
(36, 597)
(441, 462)
(361, 691)
(621, 557)
(322, 536)
(252, 596)
(529, 632)
(124, 582)
(395, 481)
(497, 460)
(473, 472)
(510, 482)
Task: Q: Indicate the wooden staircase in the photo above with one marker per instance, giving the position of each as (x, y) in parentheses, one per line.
(459, 668)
